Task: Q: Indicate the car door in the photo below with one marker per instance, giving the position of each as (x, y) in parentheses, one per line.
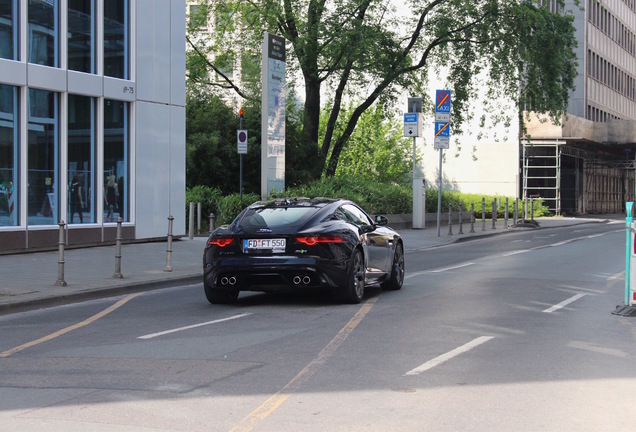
(376, 242)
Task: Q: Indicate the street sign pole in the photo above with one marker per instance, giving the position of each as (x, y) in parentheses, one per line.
(412, 128)
(442, 138)
(439, 194)
(241, 167)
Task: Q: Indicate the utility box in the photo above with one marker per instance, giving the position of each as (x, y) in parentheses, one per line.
(419, 203)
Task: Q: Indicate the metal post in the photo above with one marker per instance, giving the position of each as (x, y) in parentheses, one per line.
(212, 217)
(191, 222)
(532, 209)
(198, 218)
(450, 220)
(461, 231)
(494, 213)
(516, 212)
(506, 215)
(60, 258)
(439, 194)
(472, 218)
(118, 274)
(169, 250)
(483, 214)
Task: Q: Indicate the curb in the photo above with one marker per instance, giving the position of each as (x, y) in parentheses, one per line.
(97, 293)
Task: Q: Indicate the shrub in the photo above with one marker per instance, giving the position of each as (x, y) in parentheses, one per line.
(208, 197)
(230, 206)
(375, 198)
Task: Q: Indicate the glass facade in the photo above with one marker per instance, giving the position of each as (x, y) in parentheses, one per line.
(42, 155)
(115, 160)
(9, 204)
(71, 189)
(81, 159)
(81, 35)
(8, 30)
(43, 32)
(116, 38)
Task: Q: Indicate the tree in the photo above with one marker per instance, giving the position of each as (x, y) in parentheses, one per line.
(211, 151)
(366, 50)
(376, 150)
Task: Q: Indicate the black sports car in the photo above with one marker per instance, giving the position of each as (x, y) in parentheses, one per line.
(302, 243)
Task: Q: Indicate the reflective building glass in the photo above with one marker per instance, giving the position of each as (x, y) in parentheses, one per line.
(116, 38)
(81, 35)
(42, 158)
(9, 203)
(115, 160)
(43, 32)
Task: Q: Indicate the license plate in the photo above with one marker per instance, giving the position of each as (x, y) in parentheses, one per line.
(275, 245)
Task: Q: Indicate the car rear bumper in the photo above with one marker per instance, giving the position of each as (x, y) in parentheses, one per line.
(274, 274)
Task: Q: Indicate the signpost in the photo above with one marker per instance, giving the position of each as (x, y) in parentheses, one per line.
(273, 101)
(413, 128)
(241, 148)
(442, 139)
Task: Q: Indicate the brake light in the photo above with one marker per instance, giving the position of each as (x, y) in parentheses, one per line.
(312, 240)
(220, 242)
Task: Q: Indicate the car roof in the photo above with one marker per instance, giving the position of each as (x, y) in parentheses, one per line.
(296, 202)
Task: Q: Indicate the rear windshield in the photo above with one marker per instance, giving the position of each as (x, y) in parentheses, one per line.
(276, 218)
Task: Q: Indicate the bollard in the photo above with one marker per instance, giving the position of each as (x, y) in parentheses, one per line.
(472, 217)
(516, 212)
(506, 215)
(212, 217)
(198, 218)
(630, 294)
(118, 274)
(60, 259)
(169, 250)
(532, 209)
(461, 231)
(191, 223)
(494, 213)
(483, 214)
(450, 220)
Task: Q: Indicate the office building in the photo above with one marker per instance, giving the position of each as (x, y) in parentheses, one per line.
(584, 165)
(92, 120)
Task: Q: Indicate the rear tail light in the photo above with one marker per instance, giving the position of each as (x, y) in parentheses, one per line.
(312, 240)
(220, 242)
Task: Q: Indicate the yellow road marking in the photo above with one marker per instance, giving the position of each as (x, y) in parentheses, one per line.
(276, 400)
(71, 328)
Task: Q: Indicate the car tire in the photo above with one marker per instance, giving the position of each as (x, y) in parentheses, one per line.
(220, 296)
(356, 278)
(397, 270)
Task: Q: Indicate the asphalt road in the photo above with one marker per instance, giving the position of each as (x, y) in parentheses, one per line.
(512, 332)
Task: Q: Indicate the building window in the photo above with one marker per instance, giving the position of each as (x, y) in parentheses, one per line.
(43, 31)
(81, 35)
(42, 173)
(116, 38)
(8, 30)
(116, 184)
(81, 159)
(9, 202)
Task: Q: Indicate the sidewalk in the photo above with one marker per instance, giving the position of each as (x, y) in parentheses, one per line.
(28, 280)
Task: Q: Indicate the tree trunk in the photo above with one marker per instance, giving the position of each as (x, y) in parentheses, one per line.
(311, 125)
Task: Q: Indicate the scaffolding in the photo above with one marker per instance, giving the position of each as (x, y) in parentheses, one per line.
(542, 172)
(576, 181)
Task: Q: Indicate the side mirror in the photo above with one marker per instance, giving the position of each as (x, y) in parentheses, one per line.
(381, 220)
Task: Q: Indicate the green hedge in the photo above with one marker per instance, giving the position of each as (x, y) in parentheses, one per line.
(375, 198)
